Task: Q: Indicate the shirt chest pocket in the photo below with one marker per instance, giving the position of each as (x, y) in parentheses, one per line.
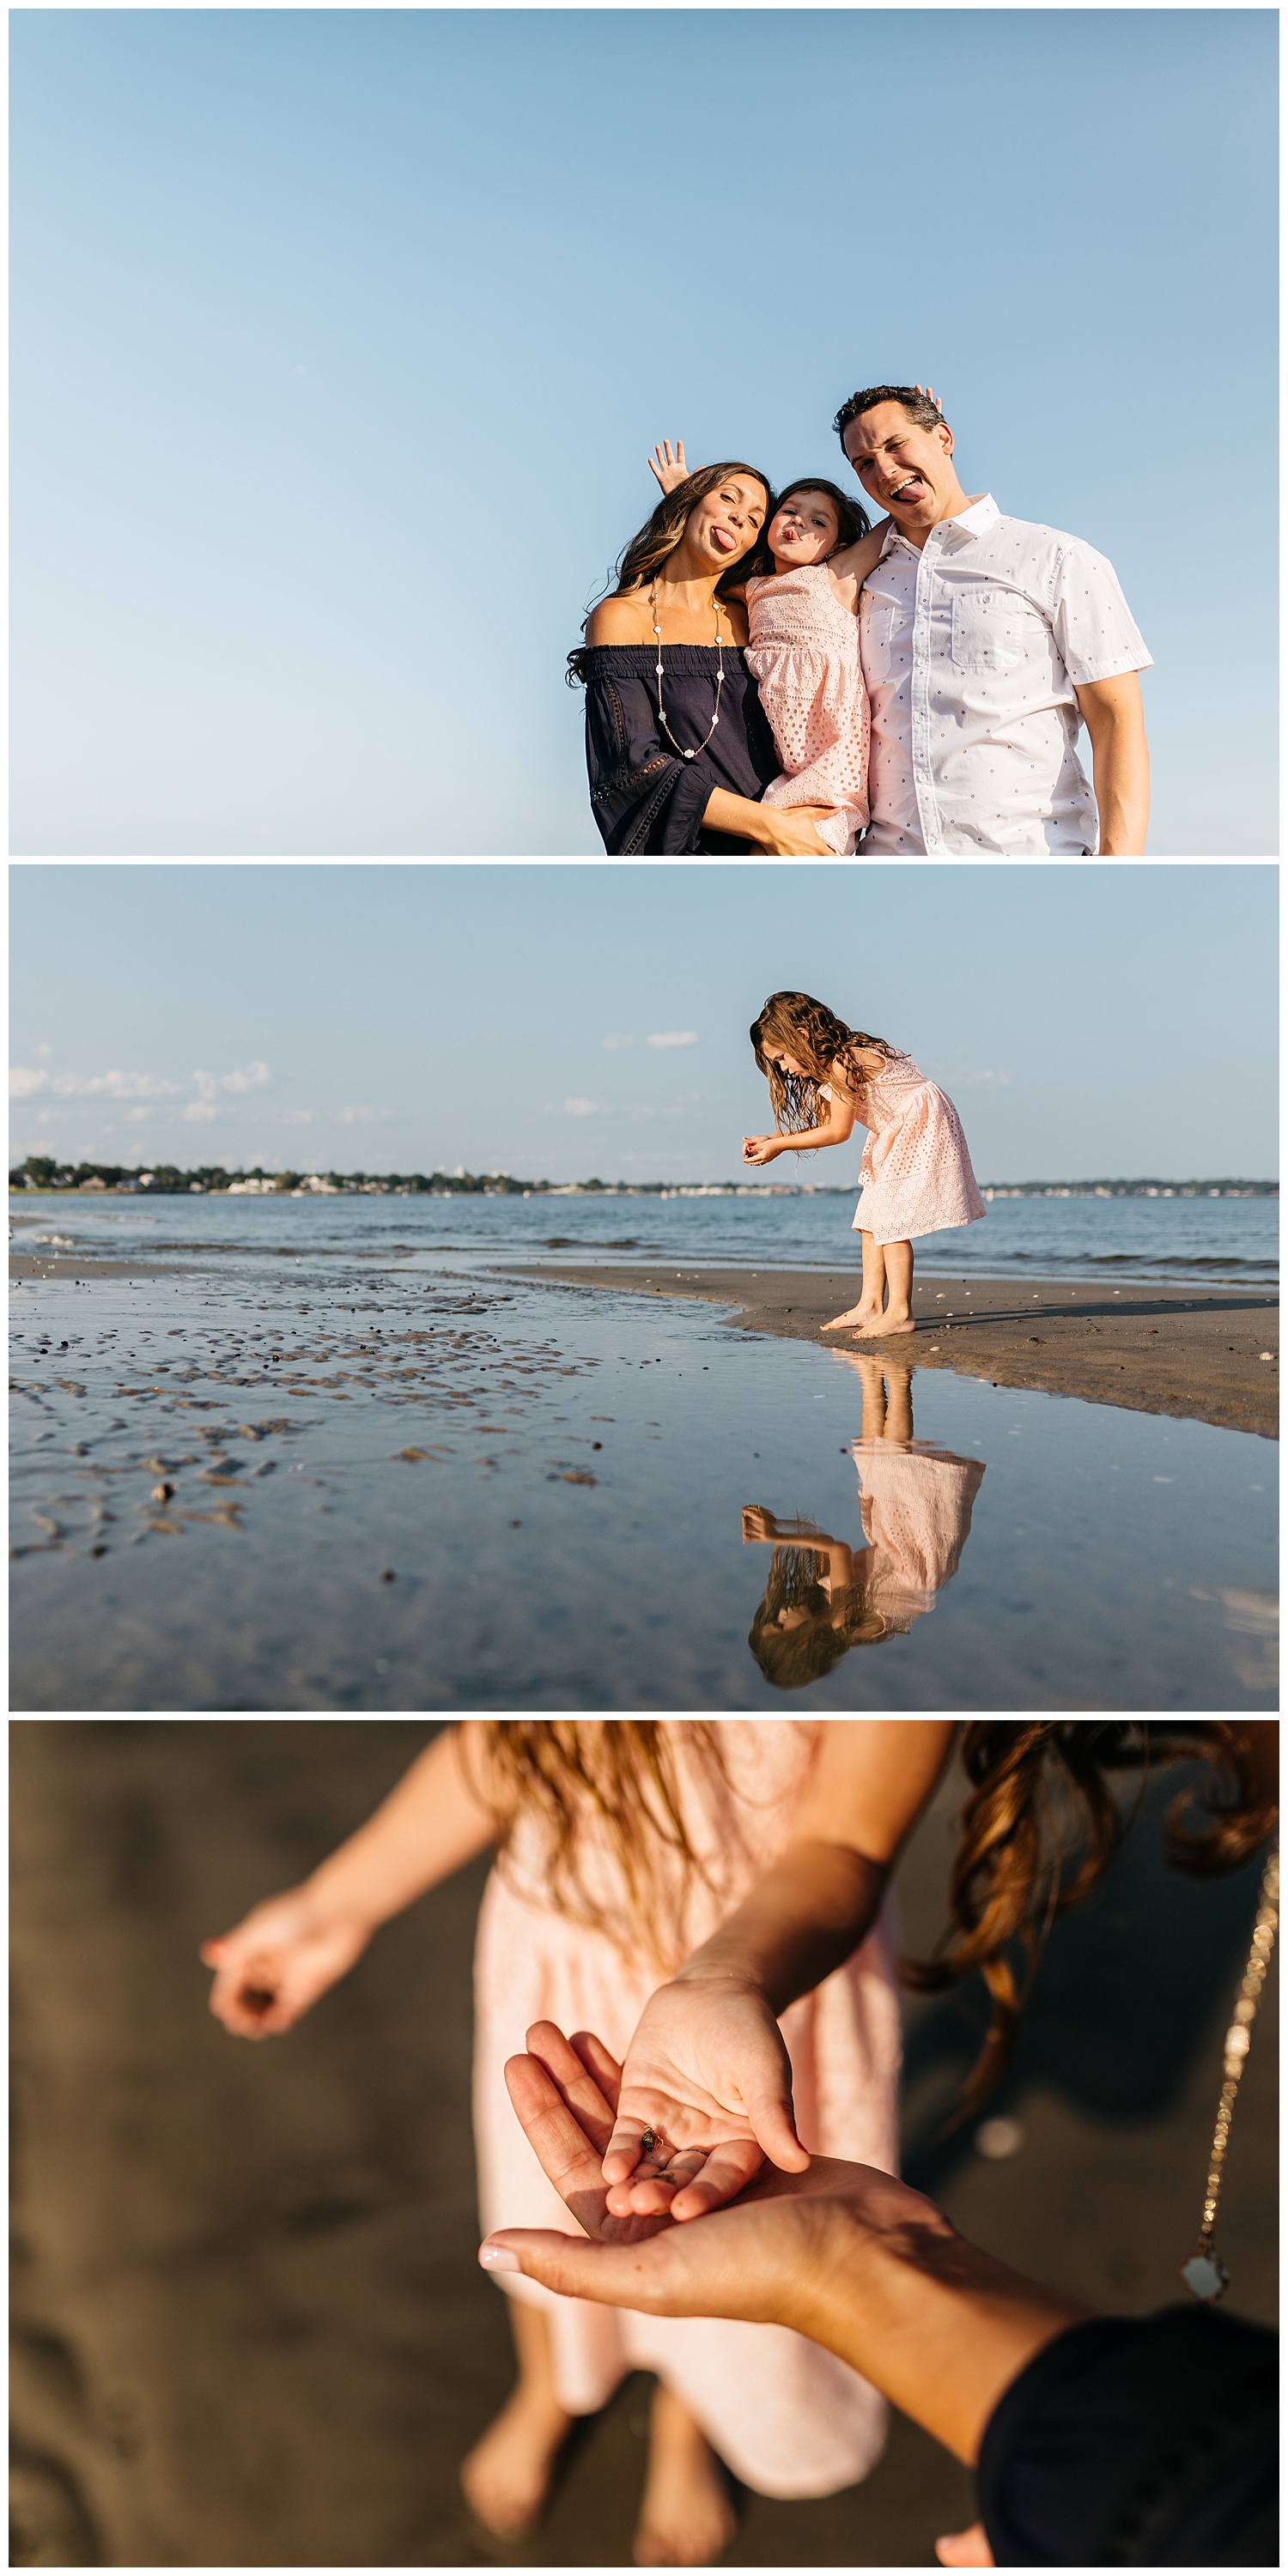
(989, 630)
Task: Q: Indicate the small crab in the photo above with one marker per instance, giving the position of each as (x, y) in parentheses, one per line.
(651, 2138)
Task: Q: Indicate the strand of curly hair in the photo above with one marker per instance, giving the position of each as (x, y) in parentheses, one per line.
(807, 1029)
(1042, 1825)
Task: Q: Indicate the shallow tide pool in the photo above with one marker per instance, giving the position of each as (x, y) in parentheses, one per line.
(423, 1493)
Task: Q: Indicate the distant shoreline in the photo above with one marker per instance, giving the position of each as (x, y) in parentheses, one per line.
(112, 1180)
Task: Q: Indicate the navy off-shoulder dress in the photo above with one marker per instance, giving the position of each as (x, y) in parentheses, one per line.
(645, 797)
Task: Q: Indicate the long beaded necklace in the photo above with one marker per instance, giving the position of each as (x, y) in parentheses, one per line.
(1204, 2273)
(661, 711)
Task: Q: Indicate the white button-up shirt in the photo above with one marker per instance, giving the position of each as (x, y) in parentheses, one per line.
(972, 650)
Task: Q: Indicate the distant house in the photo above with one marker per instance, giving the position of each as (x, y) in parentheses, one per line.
(93, 1183)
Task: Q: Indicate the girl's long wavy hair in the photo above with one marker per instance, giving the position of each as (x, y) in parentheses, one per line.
(791, 1658)
(1041, 1825)
(808, 1030)
(620, 1776)
(659, 537)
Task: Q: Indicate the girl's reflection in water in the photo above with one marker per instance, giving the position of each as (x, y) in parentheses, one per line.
(915, 1500)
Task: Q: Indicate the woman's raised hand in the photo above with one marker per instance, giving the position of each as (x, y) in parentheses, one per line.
(708, 2079)
(669, 469)
(275, 1964)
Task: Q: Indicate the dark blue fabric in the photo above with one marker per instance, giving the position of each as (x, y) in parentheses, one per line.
(644, 797)
(1138, 2442)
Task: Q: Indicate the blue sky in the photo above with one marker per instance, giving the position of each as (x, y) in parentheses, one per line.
(340, 339)
(559, 1022)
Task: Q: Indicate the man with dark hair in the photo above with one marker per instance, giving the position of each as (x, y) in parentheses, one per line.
(986, 642)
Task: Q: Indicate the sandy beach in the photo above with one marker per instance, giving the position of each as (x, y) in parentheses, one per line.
(1193, 1353)
(250, 2327)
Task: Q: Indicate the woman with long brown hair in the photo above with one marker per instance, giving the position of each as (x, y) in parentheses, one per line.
(678, 747)
(621, 1847)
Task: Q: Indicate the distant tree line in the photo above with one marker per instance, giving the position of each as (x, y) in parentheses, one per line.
(161, 1180)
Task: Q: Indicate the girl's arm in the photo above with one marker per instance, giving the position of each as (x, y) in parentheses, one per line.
(292, 1947)
(707, 2067)
(853, 565)
(842, 1113)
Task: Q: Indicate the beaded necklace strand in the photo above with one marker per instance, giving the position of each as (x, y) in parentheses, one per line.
(661, 711)
(1204, 2273)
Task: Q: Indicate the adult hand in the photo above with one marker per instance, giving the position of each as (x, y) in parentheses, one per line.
(276, 1963)
(760, 1149)
(758, 1524)
(789, 831)
(770, 2258)
(707, 2072)
(669, 469)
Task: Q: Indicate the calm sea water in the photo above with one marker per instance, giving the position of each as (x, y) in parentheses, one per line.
(1181, 1240)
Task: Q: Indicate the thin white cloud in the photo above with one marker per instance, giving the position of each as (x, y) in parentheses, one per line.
(247, 1077)
(583, 1108)
(297, 1117)
(44, 1050)
(362, 1117)
(133, 1116)
(200, 1109)
(24, 1079)
(609, 1045)
(673, 1038)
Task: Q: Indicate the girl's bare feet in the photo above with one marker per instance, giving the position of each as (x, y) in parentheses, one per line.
(686, 2518)
(506, 2477)
(885, 1325)
(859, 1315)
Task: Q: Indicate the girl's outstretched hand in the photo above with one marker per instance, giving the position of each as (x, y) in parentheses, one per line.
(708, 2078)
(760, 1149)
(276, 1963)
(669, 469)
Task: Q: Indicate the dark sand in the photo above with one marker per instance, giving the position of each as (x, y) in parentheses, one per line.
(1192, 1352)
(250, 2328)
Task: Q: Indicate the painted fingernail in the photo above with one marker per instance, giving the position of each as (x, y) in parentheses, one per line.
(498, 2258)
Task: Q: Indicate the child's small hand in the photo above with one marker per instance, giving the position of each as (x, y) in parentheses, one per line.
(669, 469)
(757, 1524)
(759, 1149)
(275, 1964)
(708, 2078)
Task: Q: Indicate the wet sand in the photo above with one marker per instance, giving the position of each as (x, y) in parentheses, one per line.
(1192, 1352)
(250, 2327)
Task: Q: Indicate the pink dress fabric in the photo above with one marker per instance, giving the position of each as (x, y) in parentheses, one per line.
(804, 656)
(789, 2418)
(916, 1175)
(915, 1505)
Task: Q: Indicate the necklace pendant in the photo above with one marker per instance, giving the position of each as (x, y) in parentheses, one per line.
(1205, 2275)
(688, 755)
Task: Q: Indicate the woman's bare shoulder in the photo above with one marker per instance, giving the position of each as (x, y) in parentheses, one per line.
(624, 619)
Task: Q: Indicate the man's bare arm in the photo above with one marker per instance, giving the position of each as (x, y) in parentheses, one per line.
(1115, 719)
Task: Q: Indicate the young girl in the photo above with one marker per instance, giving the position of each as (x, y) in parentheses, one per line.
(915, 1500)
(803, 648)
(916, 1172)
(622, 1845)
